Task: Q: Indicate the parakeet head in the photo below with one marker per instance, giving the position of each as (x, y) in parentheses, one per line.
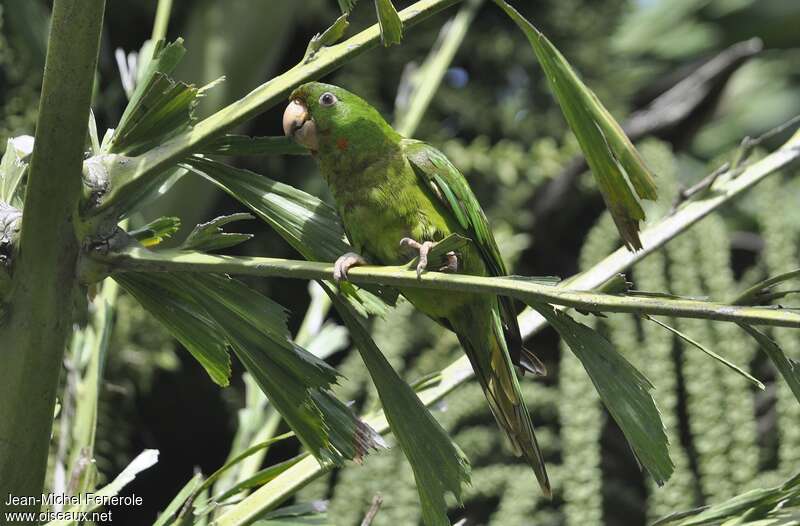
(328, 119)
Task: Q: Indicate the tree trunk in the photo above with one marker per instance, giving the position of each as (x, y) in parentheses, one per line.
(44, 285)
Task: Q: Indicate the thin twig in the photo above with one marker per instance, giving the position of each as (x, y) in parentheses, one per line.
(748, 143)
(699, 187)
(734, 167)
(374, 508)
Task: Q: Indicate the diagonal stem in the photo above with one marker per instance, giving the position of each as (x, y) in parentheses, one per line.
(727, 186)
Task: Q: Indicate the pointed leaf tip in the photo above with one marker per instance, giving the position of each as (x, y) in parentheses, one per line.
(747, 376)
(624, 390)
(621, 174)
(390, 23)
(210, 236)
(347, 5)
(787, 367)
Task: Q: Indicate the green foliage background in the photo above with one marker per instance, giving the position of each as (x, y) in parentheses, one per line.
(496, 120)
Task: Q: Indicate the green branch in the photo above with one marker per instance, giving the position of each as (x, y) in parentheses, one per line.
(726, 187)
(143, 260)
(141, 169)
(44, 285)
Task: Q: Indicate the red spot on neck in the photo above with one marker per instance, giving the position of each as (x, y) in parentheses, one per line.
(341, 143)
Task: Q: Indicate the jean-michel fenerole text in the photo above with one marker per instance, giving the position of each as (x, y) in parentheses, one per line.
(83, 499)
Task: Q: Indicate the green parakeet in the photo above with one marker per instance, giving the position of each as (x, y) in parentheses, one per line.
(396, 194)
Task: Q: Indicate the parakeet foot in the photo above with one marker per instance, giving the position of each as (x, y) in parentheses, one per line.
(424, 249)
(452, 263)
(345, 263)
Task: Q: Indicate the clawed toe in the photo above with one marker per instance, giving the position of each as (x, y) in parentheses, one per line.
(452, 263)
(345, 263)
(423, 249)
(407, 242)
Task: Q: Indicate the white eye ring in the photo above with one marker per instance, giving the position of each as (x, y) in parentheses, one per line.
(327, 99)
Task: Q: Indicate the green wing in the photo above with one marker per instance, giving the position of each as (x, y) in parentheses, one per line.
(444, 180)
(451, 188)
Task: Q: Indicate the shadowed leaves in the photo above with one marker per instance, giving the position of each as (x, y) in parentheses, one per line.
(438, 464)
(624, 390)
(210, 313)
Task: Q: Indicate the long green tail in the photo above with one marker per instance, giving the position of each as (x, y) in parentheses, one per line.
(481, 336)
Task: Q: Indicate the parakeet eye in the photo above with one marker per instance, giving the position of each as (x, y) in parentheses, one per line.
(327, 99)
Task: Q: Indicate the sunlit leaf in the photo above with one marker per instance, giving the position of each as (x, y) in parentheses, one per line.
(12, 170)
(328, 37)
(438, 464)
(614, 161)
(166, 110)
(159, 107)
(762, 507)
(257, 422)
(209, 236)
(245, 145)
(145, 193)
(156, 231)
(624, 390)
(145, 460)
(389, 21)
(259, 478)
(167, 517)
(94, 137)
(789, 368)
(247, 453)
(302, 514)
(309, 225)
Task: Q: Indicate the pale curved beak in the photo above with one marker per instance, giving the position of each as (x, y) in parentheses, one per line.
(299, 125)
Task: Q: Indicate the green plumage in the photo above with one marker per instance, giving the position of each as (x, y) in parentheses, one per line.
(387, 187)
